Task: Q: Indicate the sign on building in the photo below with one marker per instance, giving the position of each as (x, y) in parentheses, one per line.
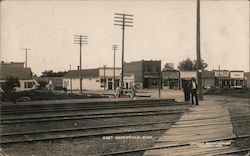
(187, 74)
(221, 73)
(237, 74)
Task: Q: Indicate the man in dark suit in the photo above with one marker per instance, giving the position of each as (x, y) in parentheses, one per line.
(194, 91)
(186, 90)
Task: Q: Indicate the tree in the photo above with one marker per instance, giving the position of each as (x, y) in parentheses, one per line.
(189, 65)
(203, 64)
(168, 66)
(10, 84)
(50, 73)
(186, 65)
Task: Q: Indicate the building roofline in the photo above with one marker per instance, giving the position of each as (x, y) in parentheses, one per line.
(143, 61)
(110, 68)
(236, 70)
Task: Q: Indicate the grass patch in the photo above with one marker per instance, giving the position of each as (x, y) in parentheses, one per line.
(36, 95)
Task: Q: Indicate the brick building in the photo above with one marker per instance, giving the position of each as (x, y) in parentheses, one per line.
(147, 73)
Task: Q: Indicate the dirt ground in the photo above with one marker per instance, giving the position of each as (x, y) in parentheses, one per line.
(88, 146)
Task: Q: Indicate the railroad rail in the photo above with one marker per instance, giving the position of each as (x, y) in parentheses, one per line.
(84, 116)
(43, 118)
(60, 136)
(183, 145)
(60, 104)
(63, 108)
(111, 130)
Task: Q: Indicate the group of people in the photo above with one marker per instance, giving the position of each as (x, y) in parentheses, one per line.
(120, 91)
(190, 87)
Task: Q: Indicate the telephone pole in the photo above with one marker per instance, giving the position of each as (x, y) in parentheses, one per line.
(104, 76)
(26, 56)
(219, 78)
(80, 40)
(70, 80)
(198, 50)
(159, 89)
(123, 20)
(114, 47)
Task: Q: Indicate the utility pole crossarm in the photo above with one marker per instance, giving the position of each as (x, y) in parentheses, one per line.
(122, 21)
(119, 14)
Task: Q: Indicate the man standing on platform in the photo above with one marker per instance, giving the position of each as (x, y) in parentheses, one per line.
(186, 90)
(194, 91)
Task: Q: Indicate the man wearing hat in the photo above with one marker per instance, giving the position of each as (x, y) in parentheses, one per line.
(194, 91)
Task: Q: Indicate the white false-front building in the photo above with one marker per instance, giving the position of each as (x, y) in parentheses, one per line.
(103, 78)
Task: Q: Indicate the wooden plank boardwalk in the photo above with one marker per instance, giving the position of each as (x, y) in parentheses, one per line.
(208, 121)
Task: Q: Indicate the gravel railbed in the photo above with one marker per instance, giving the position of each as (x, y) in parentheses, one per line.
(83, 146)
(94, 144)
(237, 108)
(86, 132)
(89, 112)
(85, 123)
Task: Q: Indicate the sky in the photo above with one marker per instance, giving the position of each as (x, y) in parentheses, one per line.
(162, 30)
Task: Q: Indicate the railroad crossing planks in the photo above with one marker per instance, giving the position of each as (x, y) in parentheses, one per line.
(208, 121)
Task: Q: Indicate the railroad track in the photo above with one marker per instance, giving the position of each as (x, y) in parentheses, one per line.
(89, 107)
(109, 130)
(84, 132)
(5, 121)
(7, 107)
(53, 134)
(79, 132)
(15, 120)
(187, 144)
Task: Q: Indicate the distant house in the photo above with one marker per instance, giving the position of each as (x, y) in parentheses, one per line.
(17, 70)
(96, 79)
(50, 83)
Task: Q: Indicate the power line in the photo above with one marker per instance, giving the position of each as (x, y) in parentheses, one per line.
(26, 56)
(80, 40)
(123, 20)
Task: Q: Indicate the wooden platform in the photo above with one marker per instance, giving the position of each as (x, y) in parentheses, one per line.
(208, 121)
